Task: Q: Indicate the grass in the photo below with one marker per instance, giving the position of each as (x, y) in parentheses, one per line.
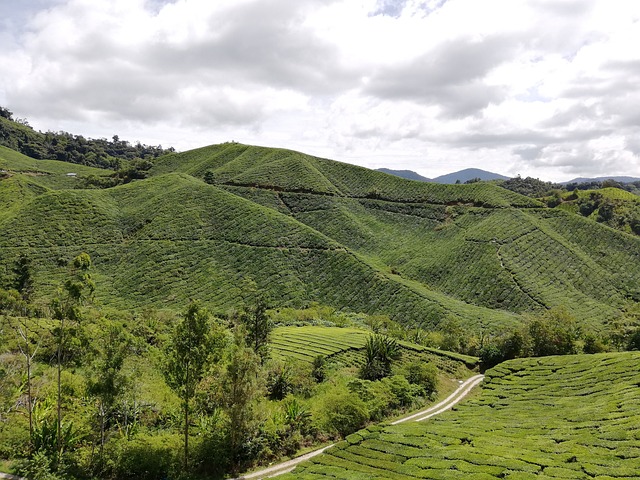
(554, 417)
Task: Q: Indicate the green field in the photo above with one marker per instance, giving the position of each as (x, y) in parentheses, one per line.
(340, 235)
(307, 342)
(575, 417)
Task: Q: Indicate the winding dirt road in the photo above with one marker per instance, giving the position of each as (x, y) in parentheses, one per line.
(285, 467)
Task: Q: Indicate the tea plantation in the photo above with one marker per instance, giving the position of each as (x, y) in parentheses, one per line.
(573, 417)
(307, 342)
(303, 229)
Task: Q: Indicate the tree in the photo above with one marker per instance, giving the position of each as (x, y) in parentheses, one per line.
(187, 357)
(380, 351)
(258, 327)
(107, 382)
(6, 113)
(23, 281)
(554, 332)
(242, 386)
(424, 375)
(66, 310)
(319, 368)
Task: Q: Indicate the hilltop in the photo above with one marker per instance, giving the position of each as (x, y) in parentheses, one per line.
(469, 174)
(209, 222)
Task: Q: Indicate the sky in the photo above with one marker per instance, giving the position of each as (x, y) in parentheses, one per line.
(541, 88)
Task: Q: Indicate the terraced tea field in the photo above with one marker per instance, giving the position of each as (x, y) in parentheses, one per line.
(573, 417)
(305, 229)
(347, 345)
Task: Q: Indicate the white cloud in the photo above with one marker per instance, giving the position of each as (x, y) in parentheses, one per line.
(538, 87)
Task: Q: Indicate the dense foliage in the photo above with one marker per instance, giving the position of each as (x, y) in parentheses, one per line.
(112, 396)
(66, 147)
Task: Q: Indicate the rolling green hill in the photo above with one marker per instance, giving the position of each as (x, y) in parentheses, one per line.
(306, 229)
(573, 417)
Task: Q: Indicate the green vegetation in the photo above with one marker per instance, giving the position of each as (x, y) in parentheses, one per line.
(614, 207)
(420, 253)
(306, 343)
(553, 417)
(19, 136)
(149, 396)
(329, 297)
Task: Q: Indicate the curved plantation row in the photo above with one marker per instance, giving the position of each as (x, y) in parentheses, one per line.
(573, 417)
(504, 259)
(346, 345)
(243, 165)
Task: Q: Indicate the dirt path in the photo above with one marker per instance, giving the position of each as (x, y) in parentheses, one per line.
(285, 467)
(7, 476)
(460, 392)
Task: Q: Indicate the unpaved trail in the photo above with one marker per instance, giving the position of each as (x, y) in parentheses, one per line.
(285, 467)
(460, 392)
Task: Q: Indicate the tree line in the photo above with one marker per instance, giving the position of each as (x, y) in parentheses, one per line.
(77, 401)
(112, 154)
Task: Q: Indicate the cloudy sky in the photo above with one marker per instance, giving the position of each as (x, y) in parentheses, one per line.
(546, 88)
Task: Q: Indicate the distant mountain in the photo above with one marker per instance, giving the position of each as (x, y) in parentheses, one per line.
(621, 179)
(468, 174)
(408, 174)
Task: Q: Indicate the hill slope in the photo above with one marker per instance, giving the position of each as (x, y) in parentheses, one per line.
(304, 229)
(555, 417)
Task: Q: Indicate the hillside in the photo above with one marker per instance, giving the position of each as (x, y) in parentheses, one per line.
(555, 417)
(614, 207)
(306, 229)
(102, 153)
(618, 178)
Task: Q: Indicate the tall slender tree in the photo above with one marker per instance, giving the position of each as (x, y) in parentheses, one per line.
(65, 308)
(188, 355)
(29, 345)
(242, 386)
(258, 326)
(108, 382)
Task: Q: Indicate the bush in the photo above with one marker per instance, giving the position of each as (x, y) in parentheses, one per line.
(594, 344)
(402, 392)
(279, 381)
(424, 375)
(634, 340)
(37, 468)
(380, 351)
(319, 368)
(344, 413)
(145, 457)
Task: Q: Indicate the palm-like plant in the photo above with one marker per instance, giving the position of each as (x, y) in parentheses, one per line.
(380, 351)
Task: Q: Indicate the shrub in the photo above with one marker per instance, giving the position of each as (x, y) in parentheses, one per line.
(319, 369)
(279, 381)
(424, 375)
(634, 340)
(380, 351)
(344, 413)
(402, 392)
(145, 457)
